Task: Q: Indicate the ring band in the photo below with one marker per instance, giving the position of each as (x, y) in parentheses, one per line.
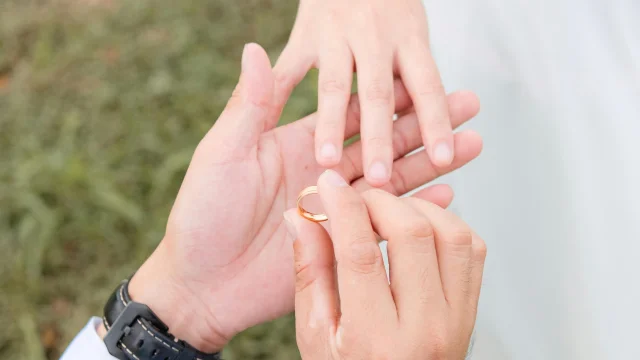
(306, 214)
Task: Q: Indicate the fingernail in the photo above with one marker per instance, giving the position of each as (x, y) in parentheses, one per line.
(378, 171)
(334, 179)
(328, 151)
(442, 154)
(291, 228)
(244, 57)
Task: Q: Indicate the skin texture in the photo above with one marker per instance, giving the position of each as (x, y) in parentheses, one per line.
(428, 309)
(225, 262)
(380, 40)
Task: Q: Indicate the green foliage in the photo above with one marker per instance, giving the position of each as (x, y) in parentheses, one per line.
(101, 106)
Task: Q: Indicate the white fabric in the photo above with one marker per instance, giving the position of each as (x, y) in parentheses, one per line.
(556, 192)
(87, 345)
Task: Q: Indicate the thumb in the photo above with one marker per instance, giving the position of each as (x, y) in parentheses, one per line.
(243, 120)
(316, 303)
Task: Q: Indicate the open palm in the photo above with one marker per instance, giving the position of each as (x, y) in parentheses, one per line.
(226, 228)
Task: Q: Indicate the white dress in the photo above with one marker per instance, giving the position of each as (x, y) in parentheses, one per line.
(556, 191)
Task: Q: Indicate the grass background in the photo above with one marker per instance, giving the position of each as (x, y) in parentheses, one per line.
(101, 104)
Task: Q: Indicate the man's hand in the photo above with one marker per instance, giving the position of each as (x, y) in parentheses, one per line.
(379, 38)
(225, 262)
(435, 262)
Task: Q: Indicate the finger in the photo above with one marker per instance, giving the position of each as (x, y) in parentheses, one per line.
(463, 106)
(402, 102)
(375, 87)
(316, 299)
(421, 77)
(439, 194)
(292, 66)
(365, 296)
(415, 170)
(479, 248)
(242, 122)
(413, 263)
(455, 253)
(334, 90)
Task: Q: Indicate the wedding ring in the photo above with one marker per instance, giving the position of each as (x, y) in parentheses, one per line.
(306, 214)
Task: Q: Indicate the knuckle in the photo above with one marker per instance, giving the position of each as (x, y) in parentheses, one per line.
(364, 255)
(329, 126)
(333, 87)
(480, 249)
(439, 343)
(378, 142)
(304, 276)
(282, 78)
(462, 237)
(430, 89)
(237, 91)
(347, 347)
(379, 93)
(353, 205)
(236, 97)
(418, 230)
(458, 244)
(416, 40)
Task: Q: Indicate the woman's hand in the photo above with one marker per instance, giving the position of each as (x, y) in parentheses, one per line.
(379, 38)
(225, 261)
(436, 262)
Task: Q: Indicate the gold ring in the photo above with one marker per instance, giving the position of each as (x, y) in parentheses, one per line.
(304, 213)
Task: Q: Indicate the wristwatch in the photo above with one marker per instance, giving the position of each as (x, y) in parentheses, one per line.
(134, 332)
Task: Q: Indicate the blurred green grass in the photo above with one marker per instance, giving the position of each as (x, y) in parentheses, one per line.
(101, 106)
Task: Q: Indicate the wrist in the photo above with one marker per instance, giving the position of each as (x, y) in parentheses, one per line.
(157, 285)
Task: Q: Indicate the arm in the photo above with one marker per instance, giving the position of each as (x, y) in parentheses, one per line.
(206, 279)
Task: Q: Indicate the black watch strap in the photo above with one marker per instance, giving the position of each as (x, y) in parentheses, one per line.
(134, 332)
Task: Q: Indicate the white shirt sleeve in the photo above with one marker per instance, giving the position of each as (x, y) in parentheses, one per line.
(87, 344)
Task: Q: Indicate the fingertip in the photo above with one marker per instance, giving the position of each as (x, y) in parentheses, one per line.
(440, 194)
(256, 75)
(464, 103)
(378, 174)
(442, 153)
(473, 100)
(328, 154)
(470, 142)
(444, 196)
(331, 179)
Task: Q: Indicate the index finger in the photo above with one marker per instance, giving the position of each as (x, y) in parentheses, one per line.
(422, 80)
(362, 279)
(413, 263)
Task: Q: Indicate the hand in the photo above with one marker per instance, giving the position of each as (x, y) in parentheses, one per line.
(380, 38)
(225, 261)
(435, 260)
